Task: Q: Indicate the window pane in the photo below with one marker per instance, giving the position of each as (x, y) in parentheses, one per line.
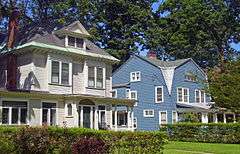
(174, 117)
(133, 95)
(114, 94)
(133, 76)
(127, 93)
(65, 73)
(163, 118)
(23, 118)
(55, 72)
(197, 96)
(14, 115)
(5, 112)
(99, 77)
(44, 116)
(202, 96)
(180, 95)
(71, 41)
(79, 42)
(69, 107)
(138, 76)
(159, 95)
(185, 95)
(91, 82)
(53, 117)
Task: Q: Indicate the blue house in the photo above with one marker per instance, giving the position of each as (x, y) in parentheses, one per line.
(163, 90)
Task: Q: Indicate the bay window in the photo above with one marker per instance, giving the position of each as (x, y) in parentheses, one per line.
(55, 72)
(65, 73)
(14, 113)
(91, 77)
(99, 77)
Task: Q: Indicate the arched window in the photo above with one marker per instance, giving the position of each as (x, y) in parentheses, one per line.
(69, 109)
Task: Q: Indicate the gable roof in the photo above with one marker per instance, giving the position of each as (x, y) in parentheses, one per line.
(45, 34)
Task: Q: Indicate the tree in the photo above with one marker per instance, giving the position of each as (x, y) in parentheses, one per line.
(224, 86)
(199, 29)
(116, 25)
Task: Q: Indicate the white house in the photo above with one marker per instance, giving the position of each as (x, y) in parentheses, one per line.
(59, 78)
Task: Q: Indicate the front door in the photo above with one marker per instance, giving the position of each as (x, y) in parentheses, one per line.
(86, 117)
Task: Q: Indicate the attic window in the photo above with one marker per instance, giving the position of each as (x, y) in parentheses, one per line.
(190, 77)
(75, 42)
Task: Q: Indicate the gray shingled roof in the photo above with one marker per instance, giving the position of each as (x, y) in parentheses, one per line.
(161, 63)
(45, 34)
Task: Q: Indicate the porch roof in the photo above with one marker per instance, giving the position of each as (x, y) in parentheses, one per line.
(65, 97)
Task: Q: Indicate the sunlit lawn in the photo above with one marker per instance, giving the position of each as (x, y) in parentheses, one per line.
(201, 148)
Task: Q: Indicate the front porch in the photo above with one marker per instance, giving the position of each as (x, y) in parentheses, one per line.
(36, 109)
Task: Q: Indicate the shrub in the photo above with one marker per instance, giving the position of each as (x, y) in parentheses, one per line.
(33, 140)
(199, 132)
(6, 145)
(90, 145)
(41, 140)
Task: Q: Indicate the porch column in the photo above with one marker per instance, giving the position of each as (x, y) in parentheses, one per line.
(234, 118)
(132, 118)
(96, 117)
(204, 117)
(111, 117)
(215, 119)
(81, 117)
(91, 117)
(115, 118)
(224, 118)
(128, 118)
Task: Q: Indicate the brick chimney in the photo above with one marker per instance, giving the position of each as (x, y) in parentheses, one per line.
(12, 59)
(152, 54)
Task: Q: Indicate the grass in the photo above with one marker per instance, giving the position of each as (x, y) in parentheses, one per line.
(201, 148)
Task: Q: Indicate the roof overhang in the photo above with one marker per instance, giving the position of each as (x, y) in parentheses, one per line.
(61, 50)
(193, 107)
(65, 97)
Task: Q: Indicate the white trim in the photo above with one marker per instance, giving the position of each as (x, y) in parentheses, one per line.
(135, 73)
(156, 87)
(200, 96)
(183, 88)
(114, 90)
(175, 117)
(49, 101)
(144, 113)
(160, 113)
(134, 118)
(19, 110)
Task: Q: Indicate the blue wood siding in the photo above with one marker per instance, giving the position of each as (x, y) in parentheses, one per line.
(151, 76)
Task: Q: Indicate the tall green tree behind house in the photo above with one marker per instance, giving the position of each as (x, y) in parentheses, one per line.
(224, 86)
(201, 29)
(116, 25)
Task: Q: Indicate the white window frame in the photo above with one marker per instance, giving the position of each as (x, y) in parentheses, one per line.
(200, 96)
(115, 90)
(48, 101)
(135, 118)
(183, 95)
(95, 77)
(156, 101)
(10, 112)
(75, 42)
(135, 73)
(66, 109)
(60, 73)
(129, 95)
(175, 117)
(160, 119)
(148, 116)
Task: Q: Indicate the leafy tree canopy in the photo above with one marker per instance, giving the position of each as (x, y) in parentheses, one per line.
(201, 29)
(224, 85)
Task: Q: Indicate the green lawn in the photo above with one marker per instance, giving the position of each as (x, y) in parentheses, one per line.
(201, 148)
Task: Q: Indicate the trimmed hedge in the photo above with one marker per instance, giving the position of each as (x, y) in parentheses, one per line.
(199, 132)
(41, 140)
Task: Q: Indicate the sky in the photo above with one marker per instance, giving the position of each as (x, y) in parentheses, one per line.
(154, 8)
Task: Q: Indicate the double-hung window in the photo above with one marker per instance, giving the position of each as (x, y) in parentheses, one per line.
(75, 42)
(95, 77)
(183, 95)
(148, 113)
(162, 117)
(60, 73)
(199, 96)
(132, 95)
(174, 117)
(135, 76)
(158, 94)
(14, 113)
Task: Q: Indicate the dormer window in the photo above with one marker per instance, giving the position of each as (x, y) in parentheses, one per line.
(75, 42)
